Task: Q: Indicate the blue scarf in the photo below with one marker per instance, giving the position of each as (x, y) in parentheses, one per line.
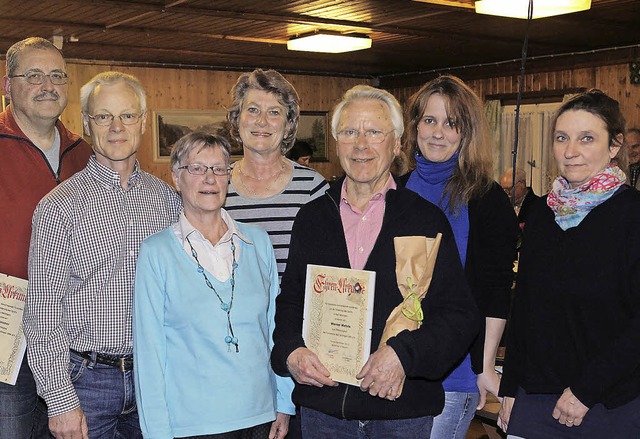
(429, 180)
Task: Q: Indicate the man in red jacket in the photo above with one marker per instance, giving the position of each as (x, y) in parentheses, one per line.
(37, 153)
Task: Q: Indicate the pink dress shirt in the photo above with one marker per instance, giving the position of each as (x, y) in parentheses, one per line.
(361, 228)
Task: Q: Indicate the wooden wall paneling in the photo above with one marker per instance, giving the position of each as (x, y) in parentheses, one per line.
(612, 79)
(204, 89)
(201, 90)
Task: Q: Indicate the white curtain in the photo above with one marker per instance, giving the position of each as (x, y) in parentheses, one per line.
(507, 139)
(535, 154)
(493, 111)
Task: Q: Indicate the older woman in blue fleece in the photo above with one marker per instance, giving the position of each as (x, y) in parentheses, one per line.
(204, 314)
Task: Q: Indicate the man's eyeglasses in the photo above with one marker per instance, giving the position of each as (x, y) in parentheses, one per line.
(36, 77)
(198, 169)
(106, 119)
(372, 136)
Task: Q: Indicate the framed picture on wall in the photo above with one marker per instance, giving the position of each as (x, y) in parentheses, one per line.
(313, 128)
(171, 125)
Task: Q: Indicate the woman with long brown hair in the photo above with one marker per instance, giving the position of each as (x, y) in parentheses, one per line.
(447, 144)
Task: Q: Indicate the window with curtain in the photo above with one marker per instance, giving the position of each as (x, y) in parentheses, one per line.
(534, 144)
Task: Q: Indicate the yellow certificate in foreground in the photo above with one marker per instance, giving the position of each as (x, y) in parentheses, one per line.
(13, 293)
(338, 314)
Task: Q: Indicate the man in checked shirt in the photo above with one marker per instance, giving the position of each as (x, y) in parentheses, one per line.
(84, 245)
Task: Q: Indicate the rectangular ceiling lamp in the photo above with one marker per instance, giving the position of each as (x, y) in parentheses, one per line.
(327, 42)
(541, 8)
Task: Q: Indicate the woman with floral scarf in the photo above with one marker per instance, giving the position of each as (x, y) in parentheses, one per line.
(572, 367)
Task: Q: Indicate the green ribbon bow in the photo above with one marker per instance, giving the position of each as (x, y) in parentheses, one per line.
(411, 307)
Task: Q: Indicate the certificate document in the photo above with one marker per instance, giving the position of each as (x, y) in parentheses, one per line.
(338, 314)
(13, 293)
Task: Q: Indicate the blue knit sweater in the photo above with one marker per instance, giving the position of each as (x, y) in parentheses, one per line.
(188, 382)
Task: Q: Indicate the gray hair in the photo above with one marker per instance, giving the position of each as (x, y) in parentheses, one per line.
(111, 78)
(197, 139)
(521, 175)
(28, 43)
(362, 92)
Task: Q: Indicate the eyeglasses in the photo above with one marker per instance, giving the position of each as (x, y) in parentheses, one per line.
(106, 119)
(198, 169)
(36, 77)
(372, 136)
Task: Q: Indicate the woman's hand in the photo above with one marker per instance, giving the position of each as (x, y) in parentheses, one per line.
(306, 368)
(569, 410)
(488, 382)
(383, 374)
(279, 427)
(505, 412)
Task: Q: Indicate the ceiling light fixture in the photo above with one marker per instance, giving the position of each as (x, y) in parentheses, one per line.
(541, 8)
(329, 42)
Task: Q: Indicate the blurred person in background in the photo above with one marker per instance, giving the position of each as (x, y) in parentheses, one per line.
(301, 153)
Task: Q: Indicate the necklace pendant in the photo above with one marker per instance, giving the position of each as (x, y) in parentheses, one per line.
(225, 306)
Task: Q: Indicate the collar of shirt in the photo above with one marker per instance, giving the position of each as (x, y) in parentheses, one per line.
(216, 258)
(109, 177)
(361, 229)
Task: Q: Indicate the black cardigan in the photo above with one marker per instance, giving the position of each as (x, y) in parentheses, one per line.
(451, 319)
(576, 316)
(529, 200)
(491, 246)
(493, 235)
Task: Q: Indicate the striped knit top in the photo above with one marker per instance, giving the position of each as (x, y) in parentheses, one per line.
(276, 214)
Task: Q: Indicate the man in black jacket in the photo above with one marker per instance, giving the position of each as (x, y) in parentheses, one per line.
(523, 197)
(353, 226)
(632, 143)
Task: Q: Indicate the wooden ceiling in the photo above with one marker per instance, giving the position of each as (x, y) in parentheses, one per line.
(408, 36)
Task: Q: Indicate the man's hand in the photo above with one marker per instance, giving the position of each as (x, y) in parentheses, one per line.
(569, 410)
(306, 368)
(69, 425)
(383, 374)
(279, 427)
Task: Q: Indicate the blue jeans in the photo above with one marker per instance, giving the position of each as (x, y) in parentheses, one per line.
(23, 414)
(317, 425)
(107, 398)
(458, 412)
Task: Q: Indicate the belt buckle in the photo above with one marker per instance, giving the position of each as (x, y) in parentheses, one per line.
(121, 364)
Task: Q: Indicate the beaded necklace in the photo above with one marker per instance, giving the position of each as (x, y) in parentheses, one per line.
(230, 339)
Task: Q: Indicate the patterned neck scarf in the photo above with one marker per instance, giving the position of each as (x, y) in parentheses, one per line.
(571, 205)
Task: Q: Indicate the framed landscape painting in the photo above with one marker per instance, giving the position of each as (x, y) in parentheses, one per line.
(313, 129)
(171, 125)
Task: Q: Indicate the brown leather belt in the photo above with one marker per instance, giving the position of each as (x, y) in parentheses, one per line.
(122, 362)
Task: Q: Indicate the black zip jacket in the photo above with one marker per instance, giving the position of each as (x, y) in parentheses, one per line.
(451, 318)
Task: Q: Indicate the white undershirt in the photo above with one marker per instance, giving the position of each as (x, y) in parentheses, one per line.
(216, 259)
